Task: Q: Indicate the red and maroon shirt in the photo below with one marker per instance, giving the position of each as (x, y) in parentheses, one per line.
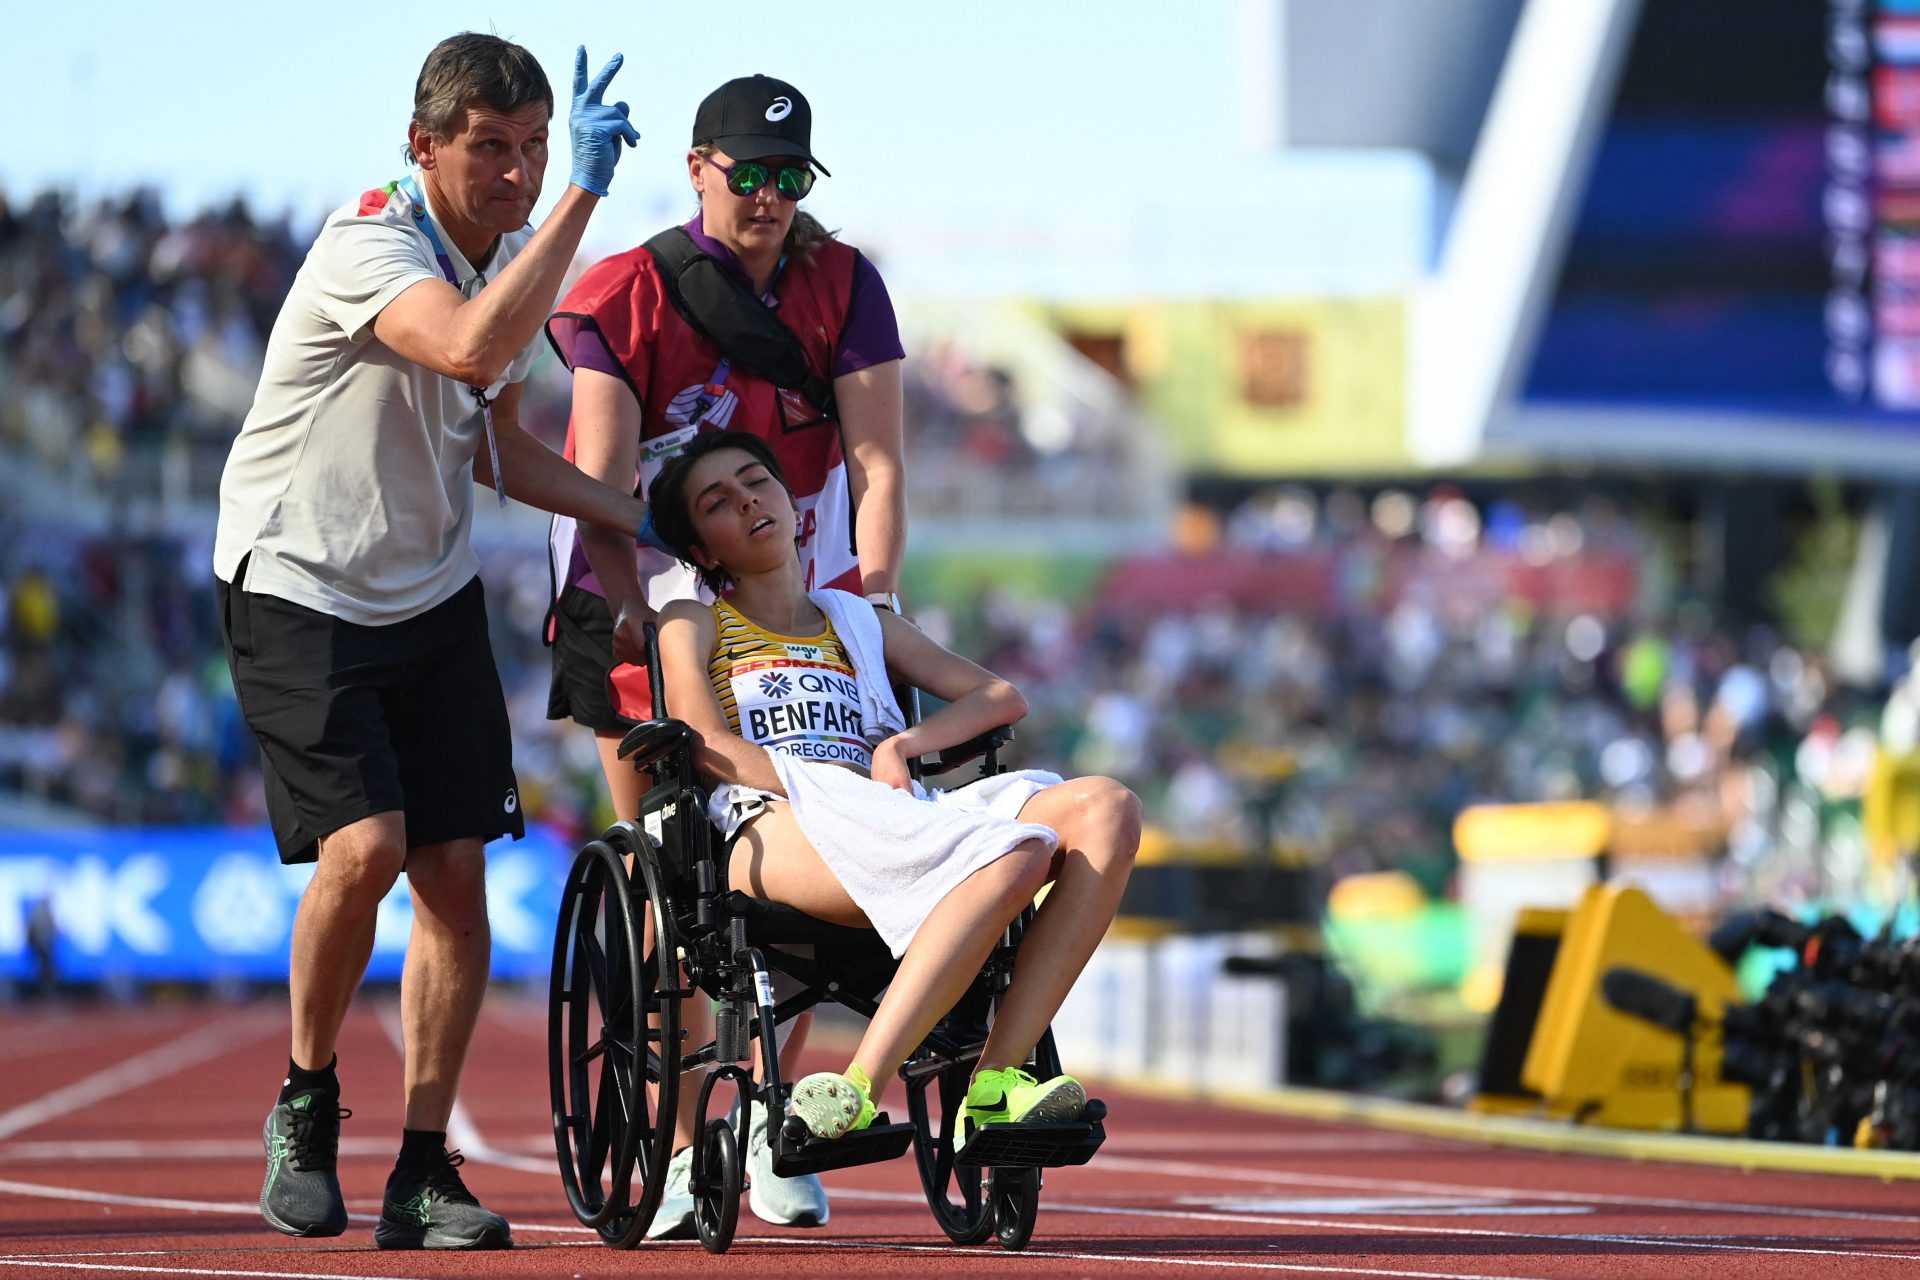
(618, 320)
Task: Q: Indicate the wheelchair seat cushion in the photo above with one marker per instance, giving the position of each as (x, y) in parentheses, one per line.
(855, 959)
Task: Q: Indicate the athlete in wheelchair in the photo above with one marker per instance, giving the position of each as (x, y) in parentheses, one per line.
(818, 856)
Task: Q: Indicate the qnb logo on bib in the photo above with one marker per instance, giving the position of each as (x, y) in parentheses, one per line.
(781, 109)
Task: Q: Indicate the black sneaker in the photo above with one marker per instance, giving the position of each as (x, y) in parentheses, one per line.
(431, 1208)
(301, 1196)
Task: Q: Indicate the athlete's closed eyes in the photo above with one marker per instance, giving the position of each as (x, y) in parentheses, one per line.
(718, 499)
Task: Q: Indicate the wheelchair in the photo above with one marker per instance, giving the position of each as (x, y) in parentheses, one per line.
(617, 1049)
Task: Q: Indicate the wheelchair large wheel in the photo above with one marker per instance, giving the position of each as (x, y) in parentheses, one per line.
(957, 1194)
(613, 1029)
(971, 1202)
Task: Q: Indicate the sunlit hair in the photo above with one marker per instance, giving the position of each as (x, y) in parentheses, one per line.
(673, 508)
(806, 234)
(473, 68)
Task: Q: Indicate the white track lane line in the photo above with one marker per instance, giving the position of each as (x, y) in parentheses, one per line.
(973, 1252)
(196, 1046)
(1163, 1169)
(88, 1261)
(249, 1207)
(1264, 1144)
(1162, 1260)
(1159, 1169)
(1366, 1222)
(462, 1132)
(110, 1151)
(48, 1037)
(470, 1134)
(46, 1264)
(1340, 1224)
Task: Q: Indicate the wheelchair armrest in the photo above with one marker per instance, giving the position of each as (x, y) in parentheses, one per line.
(953, 757)
(649, 740)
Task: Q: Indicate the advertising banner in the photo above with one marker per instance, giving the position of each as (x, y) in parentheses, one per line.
(212, 904)
(1261, 388)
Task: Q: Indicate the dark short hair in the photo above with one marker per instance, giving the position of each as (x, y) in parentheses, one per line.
(470, 68)
(673, 512)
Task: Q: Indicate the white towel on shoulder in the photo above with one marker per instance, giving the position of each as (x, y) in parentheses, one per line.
(897, 855)
(857, 624)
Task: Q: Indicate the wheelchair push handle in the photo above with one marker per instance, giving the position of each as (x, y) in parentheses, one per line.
(656, 682)
(657, 736)
(652, 740)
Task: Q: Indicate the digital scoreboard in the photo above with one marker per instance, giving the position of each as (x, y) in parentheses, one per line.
(1744, 264)
(1874, 193)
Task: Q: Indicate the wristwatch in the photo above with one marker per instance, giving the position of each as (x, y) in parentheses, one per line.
(889, 600)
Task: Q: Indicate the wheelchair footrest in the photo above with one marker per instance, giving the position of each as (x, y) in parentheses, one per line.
(1032, 1146)
(801, 1152)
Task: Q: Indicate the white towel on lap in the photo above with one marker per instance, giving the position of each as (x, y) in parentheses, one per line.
(898, 855)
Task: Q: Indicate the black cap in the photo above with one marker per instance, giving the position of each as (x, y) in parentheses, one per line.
(755, 117)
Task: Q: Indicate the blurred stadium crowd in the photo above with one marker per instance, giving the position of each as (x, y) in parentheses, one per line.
(1322, 668)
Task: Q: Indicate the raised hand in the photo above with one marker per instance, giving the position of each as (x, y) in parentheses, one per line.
(597, 129)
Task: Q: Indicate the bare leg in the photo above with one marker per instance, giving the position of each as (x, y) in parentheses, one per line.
(333, 930)
(774, 860)
(446, 973)
(790, 1051)
(625, 784)
(1098, 821)
(945, 957)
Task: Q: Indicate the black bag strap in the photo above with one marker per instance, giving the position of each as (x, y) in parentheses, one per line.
(724, 310)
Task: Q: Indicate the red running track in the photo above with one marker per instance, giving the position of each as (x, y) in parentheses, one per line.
(129, 1144)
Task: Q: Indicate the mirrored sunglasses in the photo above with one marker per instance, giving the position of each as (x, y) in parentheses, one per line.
(746, 177)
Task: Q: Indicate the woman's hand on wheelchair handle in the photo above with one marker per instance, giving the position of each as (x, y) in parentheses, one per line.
(629, 636)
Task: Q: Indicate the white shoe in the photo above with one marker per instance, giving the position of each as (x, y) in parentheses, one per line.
(785, 1202)
(674, 1219)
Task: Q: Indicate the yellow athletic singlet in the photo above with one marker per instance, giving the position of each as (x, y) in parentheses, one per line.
(792, 694)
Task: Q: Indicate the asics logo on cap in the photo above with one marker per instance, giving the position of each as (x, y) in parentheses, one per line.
(782, 108)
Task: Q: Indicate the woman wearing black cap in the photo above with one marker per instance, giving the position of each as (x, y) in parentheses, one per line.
(646, 381)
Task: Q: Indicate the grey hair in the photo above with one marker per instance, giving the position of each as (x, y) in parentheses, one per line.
(469, 68)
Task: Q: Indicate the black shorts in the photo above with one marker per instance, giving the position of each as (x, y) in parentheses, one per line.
(356, 720)
(582, 659)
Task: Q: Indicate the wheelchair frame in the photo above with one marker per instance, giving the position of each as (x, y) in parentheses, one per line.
(616, 1046)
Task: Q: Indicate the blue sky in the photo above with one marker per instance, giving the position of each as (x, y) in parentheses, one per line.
(1029, 122)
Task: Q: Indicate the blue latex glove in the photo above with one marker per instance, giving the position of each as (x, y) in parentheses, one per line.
(597, 129)
(647, 537)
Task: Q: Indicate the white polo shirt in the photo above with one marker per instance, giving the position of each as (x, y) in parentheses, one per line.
(351, 481)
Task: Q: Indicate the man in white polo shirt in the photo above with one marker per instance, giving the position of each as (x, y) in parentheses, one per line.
(352, 610)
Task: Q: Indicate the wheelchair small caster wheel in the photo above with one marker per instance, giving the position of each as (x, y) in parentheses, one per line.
(1014, 1198)
(717, 1178)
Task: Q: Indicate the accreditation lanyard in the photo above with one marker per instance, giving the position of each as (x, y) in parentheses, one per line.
(425, 224)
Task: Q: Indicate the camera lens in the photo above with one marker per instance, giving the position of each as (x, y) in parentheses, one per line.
(1760, 1067)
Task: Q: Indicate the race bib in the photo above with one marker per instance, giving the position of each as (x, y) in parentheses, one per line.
(801, 705)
